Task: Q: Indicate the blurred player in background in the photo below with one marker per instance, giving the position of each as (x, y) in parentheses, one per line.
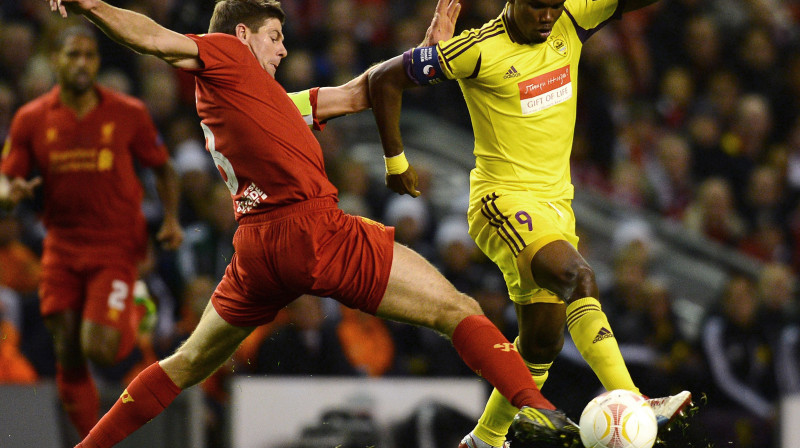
(518, 74)
(292, 238)
(83, 140)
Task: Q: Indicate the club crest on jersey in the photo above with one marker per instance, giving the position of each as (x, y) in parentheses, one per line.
(559, 45)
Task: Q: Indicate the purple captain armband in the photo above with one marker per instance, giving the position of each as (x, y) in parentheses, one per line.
(422, 65)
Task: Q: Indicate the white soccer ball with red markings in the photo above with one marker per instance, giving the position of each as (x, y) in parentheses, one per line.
(618, 419)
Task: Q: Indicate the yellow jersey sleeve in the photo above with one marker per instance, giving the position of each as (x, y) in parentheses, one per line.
(590, 14)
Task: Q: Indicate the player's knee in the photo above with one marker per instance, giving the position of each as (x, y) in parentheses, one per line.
(576, 280)
(101, 354)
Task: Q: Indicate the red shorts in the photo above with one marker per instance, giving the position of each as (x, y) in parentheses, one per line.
(310, 247)
(98, 284)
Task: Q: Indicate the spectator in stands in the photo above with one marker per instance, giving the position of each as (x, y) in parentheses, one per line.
(713, 214)
(306, 344)
(412, 221)
(208, 246)
(741, 405)
(675, 97)
(669, 173)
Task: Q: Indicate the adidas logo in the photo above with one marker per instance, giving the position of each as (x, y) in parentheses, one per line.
(511, 73)
(604, 333)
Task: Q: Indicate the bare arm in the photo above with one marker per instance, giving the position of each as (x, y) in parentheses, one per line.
(633, 5)
(346, 99)
(135, 31)
(170, 234)
(386, 84)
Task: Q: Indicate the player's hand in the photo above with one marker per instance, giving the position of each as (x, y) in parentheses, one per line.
(170, 235)
(404, 183)
(15, 190)
(64, 7)
(443, 24)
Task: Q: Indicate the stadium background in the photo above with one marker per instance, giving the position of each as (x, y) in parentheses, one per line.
(687, 166)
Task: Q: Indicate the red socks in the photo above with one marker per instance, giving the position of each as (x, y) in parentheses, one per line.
(489, 354)
(146, 396)
(79, 397)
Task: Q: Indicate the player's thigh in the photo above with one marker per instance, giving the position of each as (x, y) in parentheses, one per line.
(511, 228)
(211, 343)
(61, 288)
(417, 293)
(110, 321)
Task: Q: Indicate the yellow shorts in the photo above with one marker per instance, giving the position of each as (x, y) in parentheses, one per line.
(511, 227)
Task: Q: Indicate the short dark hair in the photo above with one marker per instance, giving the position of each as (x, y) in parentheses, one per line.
(252, 13)
(72, 31)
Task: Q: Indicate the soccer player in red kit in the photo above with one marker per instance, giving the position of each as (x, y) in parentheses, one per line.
(292, 238)
(84, 140)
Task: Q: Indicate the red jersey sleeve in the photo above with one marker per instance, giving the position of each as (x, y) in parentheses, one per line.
(313, 95)
(17, 155)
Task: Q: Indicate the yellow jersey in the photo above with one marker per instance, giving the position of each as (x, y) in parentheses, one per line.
(522, 99)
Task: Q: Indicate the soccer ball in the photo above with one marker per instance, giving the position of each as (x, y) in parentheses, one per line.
(618, 419)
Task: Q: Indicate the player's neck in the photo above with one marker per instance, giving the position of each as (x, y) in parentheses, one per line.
(81, 102)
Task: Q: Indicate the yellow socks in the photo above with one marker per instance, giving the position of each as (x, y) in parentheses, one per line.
(493, 425)
(591, 333)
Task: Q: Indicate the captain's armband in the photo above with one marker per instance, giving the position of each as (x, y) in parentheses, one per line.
(422, 65)
(306, 102)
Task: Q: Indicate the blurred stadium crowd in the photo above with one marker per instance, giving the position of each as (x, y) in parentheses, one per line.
(689, 108)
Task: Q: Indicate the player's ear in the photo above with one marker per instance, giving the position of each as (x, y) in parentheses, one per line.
(242, 32)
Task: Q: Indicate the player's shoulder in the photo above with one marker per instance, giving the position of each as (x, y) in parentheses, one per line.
(477, 37)
(38, 105)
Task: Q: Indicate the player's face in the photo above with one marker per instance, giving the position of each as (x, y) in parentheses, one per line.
(535, 18)
(267, 45)
(77, 63)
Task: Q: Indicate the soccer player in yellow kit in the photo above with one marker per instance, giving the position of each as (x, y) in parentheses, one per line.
(518, 74)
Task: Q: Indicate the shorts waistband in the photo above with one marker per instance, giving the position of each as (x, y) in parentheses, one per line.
(287, 210)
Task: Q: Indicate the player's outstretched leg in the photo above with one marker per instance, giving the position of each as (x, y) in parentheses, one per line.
(209, 346)
(417, 293)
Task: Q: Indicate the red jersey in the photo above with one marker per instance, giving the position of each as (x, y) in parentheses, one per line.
(262, 146)
(92, 195)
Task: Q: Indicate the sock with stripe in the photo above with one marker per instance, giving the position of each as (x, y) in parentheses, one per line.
(79, 396)
(593, 337)
(498, 414)
(489, 354)
(146, 396)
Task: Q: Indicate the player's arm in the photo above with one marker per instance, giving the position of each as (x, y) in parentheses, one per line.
(136, 31)
(353, 96)
(345, 99)
(170, 235)
(633, 5)
(387, 81)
